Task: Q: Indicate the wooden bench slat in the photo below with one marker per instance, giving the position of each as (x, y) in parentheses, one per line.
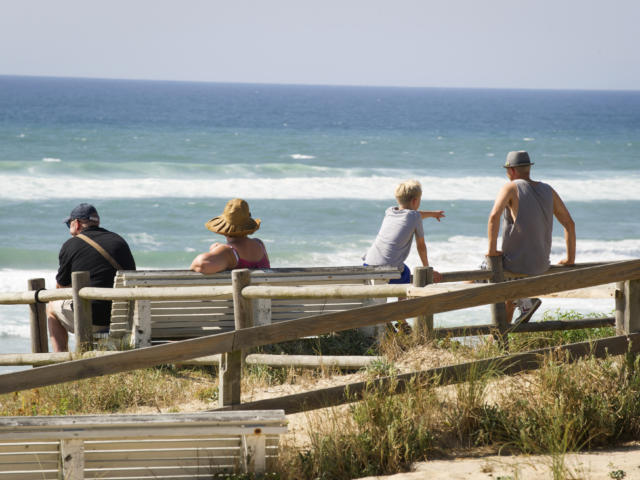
(193, 459)
(164, 320)
(138, 446)
(6, 448)
(157, 472)
(161, 443)
(30, 475)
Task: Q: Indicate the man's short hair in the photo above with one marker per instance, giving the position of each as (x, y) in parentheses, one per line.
(407, 191)
(523, 170)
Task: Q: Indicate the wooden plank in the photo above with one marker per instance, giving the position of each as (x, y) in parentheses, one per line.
(291, 330)
(141, 328)
(326, 291)
(157, 444)
(31, 462)
(38, 319)
(601, 291)
(163, 459)
(24, 298)
(507, 365)
(630, 315)
(31, 475)
(550, 326)
(157, 473)
(303, 361)
(177, 322)
(72, 455)
(423, 276)
(82, 312)
(221, 307)
(254, 451)
(156, 293)
(212, 325)
(275, 280)
(28, 448)
(210, 419)
(342, 361)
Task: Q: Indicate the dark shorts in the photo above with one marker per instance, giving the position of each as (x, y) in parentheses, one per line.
(405, 277)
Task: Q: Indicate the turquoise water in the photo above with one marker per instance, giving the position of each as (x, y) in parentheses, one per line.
(318, 165)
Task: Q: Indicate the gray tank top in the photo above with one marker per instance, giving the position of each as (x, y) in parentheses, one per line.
(526, 243)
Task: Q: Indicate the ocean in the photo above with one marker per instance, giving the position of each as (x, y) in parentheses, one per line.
(318, 165)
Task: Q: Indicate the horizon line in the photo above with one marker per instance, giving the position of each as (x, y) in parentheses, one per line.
(337, 85)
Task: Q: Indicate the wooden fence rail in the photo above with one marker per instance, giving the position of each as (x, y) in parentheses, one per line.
(245, 338)
(504, 365)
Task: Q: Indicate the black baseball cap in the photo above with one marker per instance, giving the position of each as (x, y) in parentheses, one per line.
(84, 211)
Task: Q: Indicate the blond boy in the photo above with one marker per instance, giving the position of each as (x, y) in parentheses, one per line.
(399, 226)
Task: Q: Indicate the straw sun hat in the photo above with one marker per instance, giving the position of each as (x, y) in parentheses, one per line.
(235, 221)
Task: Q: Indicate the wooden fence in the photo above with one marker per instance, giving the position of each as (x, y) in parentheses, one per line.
(425, 301)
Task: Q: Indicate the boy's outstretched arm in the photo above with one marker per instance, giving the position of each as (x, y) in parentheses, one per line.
(437, 214)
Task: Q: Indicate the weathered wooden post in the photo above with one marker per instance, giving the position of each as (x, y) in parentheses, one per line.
(628, 307)
(619, 301)
(231, 362)
(38, 319)
(498, 310)
(423, 327)
(72, 455)
(82, 317)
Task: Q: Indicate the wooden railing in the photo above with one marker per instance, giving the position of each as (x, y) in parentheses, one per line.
(425, 301)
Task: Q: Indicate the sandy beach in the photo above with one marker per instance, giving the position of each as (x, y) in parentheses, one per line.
(619, 463)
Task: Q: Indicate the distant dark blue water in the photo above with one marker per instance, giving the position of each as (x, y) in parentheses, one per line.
(317, 164)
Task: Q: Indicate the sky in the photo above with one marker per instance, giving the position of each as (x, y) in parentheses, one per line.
(559, 44)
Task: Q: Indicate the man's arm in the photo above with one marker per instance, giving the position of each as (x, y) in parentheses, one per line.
(503, 200)
(564, 217)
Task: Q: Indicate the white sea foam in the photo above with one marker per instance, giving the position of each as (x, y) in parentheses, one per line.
(455, 253)
(51, 160)
(143, 241)
(299, 156)
(23, 187)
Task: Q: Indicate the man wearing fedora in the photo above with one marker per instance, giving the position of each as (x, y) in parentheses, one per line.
(97, 251)
(529, 208)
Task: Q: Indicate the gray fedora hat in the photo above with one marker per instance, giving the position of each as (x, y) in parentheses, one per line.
(517, 159)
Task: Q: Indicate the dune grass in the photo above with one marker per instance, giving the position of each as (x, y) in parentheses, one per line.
(560, 408)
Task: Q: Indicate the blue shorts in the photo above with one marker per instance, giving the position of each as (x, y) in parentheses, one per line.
(405, 277)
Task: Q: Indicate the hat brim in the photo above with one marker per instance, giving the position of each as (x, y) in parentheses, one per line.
(516, 166)
(221, 226)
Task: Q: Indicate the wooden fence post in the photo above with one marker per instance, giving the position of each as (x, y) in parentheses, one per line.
(619, 301)
(82, 317)
(498, 310)
(38, 320)
(231, 362)
(423, 276)
(72, 456)
(628, 307)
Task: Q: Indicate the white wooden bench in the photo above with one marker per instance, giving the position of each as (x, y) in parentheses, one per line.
(154, 321)
(163, 446)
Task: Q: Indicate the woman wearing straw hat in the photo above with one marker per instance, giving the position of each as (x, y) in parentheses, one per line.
(235, 224)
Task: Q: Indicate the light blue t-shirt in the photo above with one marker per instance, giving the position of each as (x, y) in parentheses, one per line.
(393, 242)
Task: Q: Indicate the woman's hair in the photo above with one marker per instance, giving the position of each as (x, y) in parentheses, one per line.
(407, 191)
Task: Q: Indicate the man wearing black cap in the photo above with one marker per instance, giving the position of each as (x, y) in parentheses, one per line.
(529, 208)
(92, 249)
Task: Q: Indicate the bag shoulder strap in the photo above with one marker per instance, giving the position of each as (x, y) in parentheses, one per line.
(100, 250)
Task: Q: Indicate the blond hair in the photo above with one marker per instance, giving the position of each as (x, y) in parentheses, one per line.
(407, 191)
